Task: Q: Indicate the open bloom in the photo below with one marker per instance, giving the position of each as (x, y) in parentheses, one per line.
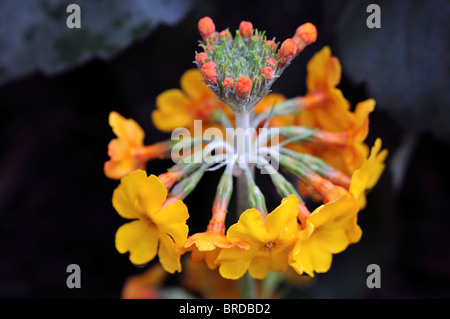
(367, 176)
(329, 110)
(179, 108)
(267, 241)
(156, 228)
(329, 230)
(345, 150)
(127, 152)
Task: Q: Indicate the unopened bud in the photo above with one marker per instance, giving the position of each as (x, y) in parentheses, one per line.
(228, 83)
(201, 59)
(225, 34)
(245, 29)
(206, 27)
(271, 45)
(209, 73)
(271, 62)
(267, 72)
(287, 51)
(305, 35)
(243, 86)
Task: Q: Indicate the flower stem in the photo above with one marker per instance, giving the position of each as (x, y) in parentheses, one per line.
(242, 120)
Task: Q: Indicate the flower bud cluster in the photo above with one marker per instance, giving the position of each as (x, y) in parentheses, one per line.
(240, 70)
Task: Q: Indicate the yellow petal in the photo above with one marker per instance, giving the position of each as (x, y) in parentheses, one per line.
(250, 228)
(172, 110)
(123, 206)
(282, 221)
(169, 256)
(234, 262)
(324, 71)
(171, 220)
(259, 267)
(146, 194)
(311, 257)
(140, 239)
(126, 129)
(193, 86)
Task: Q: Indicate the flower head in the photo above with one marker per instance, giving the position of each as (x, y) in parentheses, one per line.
(156, 229)
(245, 55)
(267, 241)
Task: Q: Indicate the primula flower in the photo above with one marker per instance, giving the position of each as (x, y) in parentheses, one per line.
(267, 241)
(156, 228)
(179, 108)
(345, 150)
(367, 176)
(330, 110)
(127, 152)
(330, 229)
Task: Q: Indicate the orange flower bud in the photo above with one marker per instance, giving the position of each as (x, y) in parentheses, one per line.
(271, 62)
(228, 83)
(267, 72)
(201, 58)
(225, 34)
(307, 33)
(243, 86)
(206, 27)
(287, 51)
(271, 44)
(245, 29)
(209, 73)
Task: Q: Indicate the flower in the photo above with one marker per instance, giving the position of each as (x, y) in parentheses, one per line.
(267, 241)
(346, 150)
(207, 246)
(127, 152)
(331, 110)
(179, 108)
(330, 229)
(156, 228)
(367, 176)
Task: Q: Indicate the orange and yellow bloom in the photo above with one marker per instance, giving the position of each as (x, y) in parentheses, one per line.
(127, 152)
(267, 241)
(326, 233)
(155, 229)
(179, 108)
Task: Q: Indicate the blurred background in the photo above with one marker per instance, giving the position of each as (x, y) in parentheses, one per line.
(58, 85)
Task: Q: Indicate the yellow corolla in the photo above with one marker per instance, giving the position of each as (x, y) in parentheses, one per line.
(179, 108)
(156, 228)
(367, 176)
(329, 230)
(267, 241)
(127, 152)
(331, 113)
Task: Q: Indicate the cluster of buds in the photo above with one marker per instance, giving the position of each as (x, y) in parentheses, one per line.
(240, 70)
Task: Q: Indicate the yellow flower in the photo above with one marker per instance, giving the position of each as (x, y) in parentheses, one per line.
(127, 152)
(331, 111)
(179, 108)
(367, 176)
(267, 241)
(156, 228)
(207, 246)
(329, 230)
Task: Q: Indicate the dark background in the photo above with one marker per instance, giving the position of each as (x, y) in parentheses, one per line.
(55, 202)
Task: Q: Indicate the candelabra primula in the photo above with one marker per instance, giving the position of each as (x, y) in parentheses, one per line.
(320, 144)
